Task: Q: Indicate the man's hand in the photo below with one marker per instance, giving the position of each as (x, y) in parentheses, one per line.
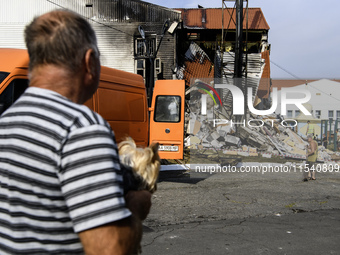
(120, 237)
(139, 203)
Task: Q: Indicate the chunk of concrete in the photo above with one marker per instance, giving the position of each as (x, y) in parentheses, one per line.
(245, 148)
(243, 153)
(252, 150)
(223, 129)
(266, 155)
(227, 152)
(254, 142)
(215, 135)
(216, 144)
(194, 126)
(194, 140)
(232, 140)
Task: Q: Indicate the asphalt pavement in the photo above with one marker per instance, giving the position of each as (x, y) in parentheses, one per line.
(244, 213)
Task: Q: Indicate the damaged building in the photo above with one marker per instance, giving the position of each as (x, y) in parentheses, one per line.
(192, 36)
(198, 43)
(116, 25)
(207, 60)
(206, 50)
(261, 136)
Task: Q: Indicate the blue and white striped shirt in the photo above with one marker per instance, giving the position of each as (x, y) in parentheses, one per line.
(59, 174)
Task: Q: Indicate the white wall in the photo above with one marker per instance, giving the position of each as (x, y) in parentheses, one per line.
(115, 46)
(325, 96)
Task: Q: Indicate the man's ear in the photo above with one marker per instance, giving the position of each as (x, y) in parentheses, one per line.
(89, 63)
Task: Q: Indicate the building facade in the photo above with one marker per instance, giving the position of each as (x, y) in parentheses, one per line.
(324, 103)
(197, 31)
(116, 24)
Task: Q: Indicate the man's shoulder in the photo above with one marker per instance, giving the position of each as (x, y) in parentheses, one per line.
(89, 116)
(79, 114)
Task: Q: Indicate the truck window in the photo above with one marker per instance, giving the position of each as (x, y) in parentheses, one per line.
(167, 109)
(3, 75)
(13, 91)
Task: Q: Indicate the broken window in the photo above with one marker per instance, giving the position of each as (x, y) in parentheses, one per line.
(141, 50)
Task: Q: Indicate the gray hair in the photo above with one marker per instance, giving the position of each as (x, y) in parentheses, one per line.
(309, 136)
(60, 38)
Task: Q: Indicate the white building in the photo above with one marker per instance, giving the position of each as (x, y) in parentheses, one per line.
(115, 23)
(325, 100)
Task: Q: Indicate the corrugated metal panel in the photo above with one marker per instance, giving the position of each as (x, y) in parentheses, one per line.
(134, 11)
(255, 67)
(212, 18)
(197, 65)
(12, 36)
(116, 48)
(255, 63)
(115, 23)
(166, 54)
(22, 11)
(120, 10)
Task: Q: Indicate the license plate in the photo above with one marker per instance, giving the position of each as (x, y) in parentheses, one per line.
(167, 148)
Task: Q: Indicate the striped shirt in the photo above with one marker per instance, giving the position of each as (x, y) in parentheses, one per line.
(59, 175)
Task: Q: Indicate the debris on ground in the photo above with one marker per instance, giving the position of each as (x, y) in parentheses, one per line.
(218, 128)
(267, 136)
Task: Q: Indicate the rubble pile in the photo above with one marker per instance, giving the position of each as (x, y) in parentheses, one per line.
(266, 136)
(196, 64)
(263, 136)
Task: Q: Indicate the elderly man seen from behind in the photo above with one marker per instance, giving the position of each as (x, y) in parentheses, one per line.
(60, 173)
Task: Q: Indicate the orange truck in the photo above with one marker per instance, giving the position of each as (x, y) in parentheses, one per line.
(120, 98)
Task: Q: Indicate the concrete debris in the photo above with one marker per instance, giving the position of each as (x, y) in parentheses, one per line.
(266, 140)
(194, 127)
(252, 150)
(232, 140)
(266, 155)
(245, 148)
(266, 135)
(335, 157)
(194, 140)
(228, 152)
(224, 129)
(324, 155)
(243, 153)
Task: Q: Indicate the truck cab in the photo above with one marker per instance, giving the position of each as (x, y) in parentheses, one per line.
(120, 99)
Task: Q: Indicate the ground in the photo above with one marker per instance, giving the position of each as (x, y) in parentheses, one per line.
(244, 213)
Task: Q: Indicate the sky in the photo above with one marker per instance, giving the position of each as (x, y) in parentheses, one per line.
(304, 34)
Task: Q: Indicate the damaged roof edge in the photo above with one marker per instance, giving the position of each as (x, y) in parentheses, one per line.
(161, 7)
(211, 18)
